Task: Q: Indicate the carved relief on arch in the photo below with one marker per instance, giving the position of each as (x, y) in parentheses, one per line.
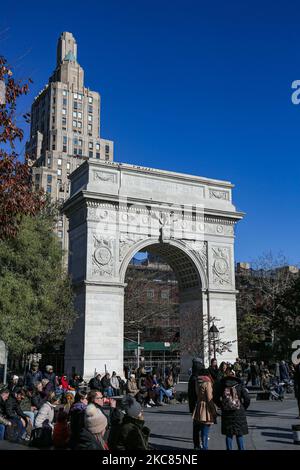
(127, 241)
(103, 256)
(221, 267)
(199, 249)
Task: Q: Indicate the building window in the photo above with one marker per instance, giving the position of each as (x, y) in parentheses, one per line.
(165, 294)
(75, 104)
(53, 146)
(53, 119)
(75, 141)
(64, 93)
(106, 157)
(75, 151)
(64, 121)
(90, 154)
(150, 294)
(90, 118)
(64, 101)
(90, 127)
(54, 100)
(97, 146)
(59, 172)
(68, 165)
(59, 161)
(90, 99)
(75, 96)
(79, 151)
(98, 155)
(60, 233)
(64, 148)
(64, 111)
(90, 108)
(49, 162)
(48, 188)
(79, 96)
(91, 145)
(49, 179)
(79, 115)
(80, 142)
(74, 114)
(74, 123)
(79, 124)
(106, 148)
(60, 223)
(37, 177)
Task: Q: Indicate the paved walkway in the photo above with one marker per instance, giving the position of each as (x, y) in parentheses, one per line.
(269, 427)
(171, 427)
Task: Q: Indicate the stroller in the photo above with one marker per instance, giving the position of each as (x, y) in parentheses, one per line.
(276, 389)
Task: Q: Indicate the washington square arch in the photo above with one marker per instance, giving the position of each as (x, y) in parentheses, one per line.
(116, 210)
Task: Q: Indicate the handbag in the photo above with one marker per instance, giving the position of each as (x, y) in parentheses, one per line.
(41, 437)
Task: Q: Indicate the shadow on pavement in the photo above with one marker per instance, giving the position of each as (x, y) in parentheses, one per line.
(170, 438)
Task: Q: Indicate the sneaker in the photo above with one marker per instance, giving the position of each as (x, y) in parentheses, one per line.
(148, 406)
(151, 402)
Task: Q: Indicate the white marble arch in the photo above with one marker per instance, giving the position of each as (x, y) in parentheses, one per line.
(116, 210)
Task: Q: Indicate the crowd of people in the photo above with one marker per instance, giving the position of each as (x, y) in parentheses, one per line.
(107, 413)
(222, 390)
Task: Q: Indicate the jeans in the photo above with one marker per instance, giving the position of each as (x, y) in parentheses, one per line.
(2, 432)
(31, 415)
(204, 429)
(108, 392)
(239, 440)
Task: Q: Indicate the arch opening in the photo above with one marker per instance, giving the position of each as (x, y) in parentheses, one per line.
(163, 309)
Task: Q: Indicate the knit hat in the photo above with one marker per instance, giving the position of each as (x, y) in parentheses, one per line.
(131, 406)
(132, 376)
(95, 420)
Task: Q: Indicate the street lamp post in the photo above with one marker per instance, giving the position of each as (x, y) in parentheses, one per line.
(138, 348)
(214, 336)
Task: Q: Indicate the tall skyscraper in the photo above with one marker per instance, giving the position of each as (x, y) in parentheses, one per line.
(65, 127)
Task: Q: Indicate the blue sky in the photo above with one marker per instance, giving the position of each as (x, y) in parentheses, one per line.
(191, 86)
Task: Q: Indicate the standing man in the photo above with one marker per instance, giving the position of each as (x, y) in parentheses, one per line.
(197, 367)
(297, 385)
(33, 376)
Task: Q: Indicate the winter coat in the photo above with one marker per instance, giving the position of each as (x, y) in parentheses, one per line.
(297, 382)
(205, 410)
(87, 441)
(284, 372)
(114, 382)
(3, 417)
(64, 383)
(116, 419)
(14, 410)
(46, 412)
(52, 379)
(233, 422)
(76, 422)
(105, 382)
(95, 384)
(132, 387)
(213, 372)
(32, 377)
(38, 399)
(61, 435)
(192, 395)
(133, 434)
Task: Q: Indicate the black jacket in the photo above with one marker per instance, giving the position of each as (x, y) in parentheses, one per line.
(116, 419)
(233, 422)
(192, 395)
(3, 416)
(51, 377)
(105, 383)
(95, 384)
(133, 434)
(13, 409)
(32, 377)
(76, 415)
(38, 399)
(87, 441)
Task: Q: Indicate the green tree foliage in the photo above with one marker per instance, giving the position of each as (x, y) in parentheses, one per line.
(36, 300)
(286, 323)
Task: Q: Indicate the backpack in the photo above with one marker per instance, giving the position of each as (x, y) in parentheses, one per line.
(230, 399)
